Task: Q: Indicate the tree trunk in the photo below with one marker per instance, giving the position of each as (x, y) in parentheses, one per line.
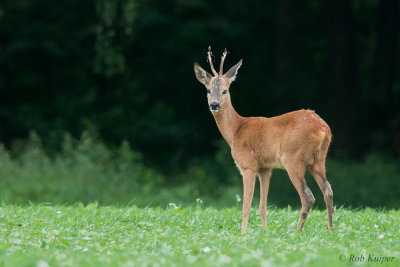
(342, 76)
(284, 47)
(384, 74)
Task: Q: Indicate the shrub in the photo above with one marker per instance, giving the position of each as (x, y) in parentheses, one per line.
(86, 170)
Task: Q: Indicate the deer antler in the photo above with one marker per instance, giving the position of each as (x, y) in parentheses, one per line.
(210, 61)
(221, 66)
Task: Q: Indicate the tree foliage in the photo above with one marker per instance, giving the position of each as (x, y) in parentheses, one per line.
(125, 68)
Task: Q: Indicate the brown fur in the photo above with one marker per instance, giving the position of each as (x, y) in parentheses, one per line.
(292, 141)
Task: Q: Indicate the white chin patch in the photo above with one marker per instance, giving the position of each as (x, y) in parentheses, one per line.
(214, 110)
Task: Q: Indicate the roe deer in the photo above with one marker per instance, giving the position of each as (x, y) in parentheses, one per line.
(292, 141)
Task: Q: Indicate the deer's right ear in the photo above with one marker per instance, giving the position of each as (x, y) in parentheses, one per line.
(202, 76)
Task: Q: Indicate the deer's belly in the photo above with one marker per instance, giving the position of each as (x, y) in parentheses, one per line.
(273, 165)
(271, 161)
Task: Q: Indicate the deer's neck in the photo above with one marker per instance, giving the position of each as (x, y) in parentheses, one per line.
(228, 121)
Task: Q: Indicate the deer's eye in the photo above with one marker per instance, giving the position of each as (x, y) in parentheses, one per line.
(224, 92)
(208, 91)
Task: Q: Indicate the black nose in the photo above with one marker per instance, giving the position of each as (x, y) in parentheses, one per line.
(214, 106)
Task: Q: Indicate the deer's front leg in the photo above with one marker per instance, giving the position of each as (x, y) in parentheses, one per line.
(248, 191)
(265, 177)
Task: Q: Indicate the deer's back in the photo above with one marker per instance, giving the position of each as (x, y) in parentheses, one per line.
(266, 140)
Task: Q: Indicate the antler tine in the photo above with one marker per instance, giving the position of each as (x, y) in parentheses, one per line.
(210, 61)
(221, 66)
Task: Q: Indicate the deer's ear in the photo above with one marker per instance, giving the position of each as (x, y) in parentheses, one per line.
(202, 76)
(231, 74)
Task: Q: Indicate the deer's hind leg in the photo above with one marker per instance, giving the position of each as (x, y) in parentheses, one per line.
(318, 171)
(296, 170)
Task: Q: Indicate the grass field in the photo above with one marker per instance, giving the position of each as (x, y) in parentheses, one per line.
(78, 235)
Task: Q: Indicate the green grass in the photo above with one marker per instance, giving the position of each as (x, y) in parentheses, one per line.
(92, 235)
(87, 171)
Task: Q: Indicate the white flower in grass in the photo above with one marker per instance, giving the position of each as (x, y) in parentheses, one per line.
(173, 205)
(42, 263)
(238, 199)
(376, 226)
(199, 201)
(206, 249)
(224, 259)
(381, 236)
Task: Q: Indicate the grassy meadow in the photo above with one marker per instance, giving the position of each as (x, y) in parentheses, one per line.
(91, 205)
(79, 235)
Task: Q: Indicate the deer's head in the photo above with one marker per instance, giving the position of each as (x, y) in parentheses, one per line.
(217, 85)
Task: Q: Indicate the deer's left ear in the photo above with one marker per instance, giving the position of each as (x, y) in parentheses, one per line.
(202, 76)
(231, 74)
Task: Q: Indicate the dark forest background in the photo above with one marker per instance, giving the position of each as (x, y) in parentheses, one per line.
(123, 70)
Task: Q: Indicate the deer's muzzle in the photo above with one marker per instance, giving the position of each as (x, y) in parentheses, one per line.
(214, 106)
